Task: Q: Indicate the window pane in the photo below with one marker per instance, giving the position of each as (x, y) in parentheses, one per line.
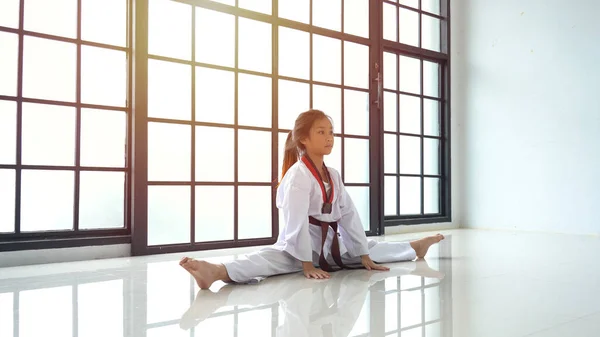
(254, 100)
(100, 299)
(432, 195)
(410, 155)
(214, 163)
(9, 61)
(7, 201)
(254, 151)
(431, 6)
(390, 71)
(356, 65)
(215, 37)
(254, 212)
(390, 157)
(103, 76)
(410, 114)
(57, 17)
(170, 29)
(327, 14)
(410, 195)
(294, 98)
(334, 159)
(430, 33)
(296, 10)
(282, 136)
(169, 152)
(7, 313)
(431, 156)
(391, 313)
(8, 132)
(410, 75)
(47, 200)
(356, 17)
(49, 69)
(254, 45)
(262, 6)
(409, 27)
(356, 162)
(356, 112)
(329, 100)
(214, 213)
(327, 58)
(169, 90)
(102, 200)
(294, 53)
(103, 138)
(226, 2)
(168, 215)
(390, 198)
(390, 113)
(215, 95)
(410, 312)
(431, 76)
(410, 3)
(104, 21)
(9, 13)
(390, 22)
(48, 134)
(431, 117)
(46, 311)
(361, 199)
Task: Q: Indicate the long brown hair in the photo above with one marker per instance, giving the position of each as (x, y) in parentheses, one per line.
(293, 147)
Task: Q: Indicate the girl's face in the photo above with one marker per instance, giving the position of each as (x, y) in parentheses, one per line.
(320, 139)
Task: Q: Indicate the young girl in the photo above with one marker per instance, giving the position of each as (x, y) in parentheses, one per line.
(322, 226)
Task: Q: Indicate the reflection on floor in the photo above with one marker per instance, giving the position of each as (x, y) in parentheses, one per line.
(474, 283)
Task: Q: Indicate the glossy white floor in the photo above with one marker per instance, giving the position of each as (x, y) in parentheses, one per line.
(495, 284)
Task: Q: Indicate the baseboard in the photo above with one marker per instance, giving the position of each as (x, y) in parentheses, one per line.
(404, 229)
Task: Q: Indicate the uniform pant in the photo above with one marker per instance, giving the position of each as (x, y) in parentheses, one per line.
(272, 261)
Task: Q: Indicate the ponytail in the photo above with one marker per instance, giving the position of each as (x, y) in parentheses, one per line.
(290, 154)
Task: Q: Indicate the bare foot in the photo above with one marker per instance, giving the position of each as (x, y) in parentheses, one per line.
(421, 246)
(422, 269)
(205, 273)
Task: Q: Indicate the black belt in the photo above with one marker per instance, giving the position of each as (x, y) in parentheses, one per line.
(335, 245)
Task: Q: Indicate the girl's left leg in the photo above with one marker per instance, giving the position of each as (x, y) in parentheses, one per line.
(386, 251)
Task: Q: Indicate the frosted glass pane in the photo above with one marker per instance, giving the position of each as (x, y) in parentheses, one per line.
(391, 312)
(356, 112)
(390, 201)
(169, 215)
(295, 10)
(410, 114)
(410, 75)
(104, 21)
(434, 329)
(327, 59)
(431, 117)
(254, 212)
(255, 323)
(390, 153)
(280, 148)
(7, 201)
(410, 312)
(356, 65)
(327, 14)
(431, 156)
(254, 100)
(6, 314)
(431, 31)
(410, 155)
(101, 200)
(214, 163)
(431, 6)
(334, 159)
(215, 95)
(329, 100)
(415, 332)
(48, 134)
(159, 276)
(356, 17)
(390, 22)
(390, 113)
(294, 53)
(356, 163)
(410, 195)
(215, 37)
(390, 71)
(214, 213)
(100, 299)
(294, 99)
(103, 138)
(410, 3)
(56, 17)
(262, 6)
(169, 90)
(431, 79)
(9, 61)
(254, 45)
(47, 200)
(170, 29)
(409, 27)
(46, 311)
(9, 13)
(49, 69)
(8, 132)
(169, 152)
(103, 76)
(431, 195)
(361, 199)
(254, 151)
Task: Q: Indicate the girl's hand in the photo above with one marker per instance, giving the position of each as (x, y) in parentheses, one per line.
(311, 272)
(370, 265)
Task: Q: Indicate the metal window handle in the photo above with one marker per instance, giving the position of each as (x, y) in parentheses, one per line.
(378, 80)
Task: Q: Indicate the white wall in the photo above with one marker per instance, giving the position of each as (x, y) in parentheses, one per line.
(527, 77)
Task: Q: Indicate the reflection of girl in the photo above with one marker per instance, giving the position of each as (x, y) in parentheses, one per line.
(314, 202)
